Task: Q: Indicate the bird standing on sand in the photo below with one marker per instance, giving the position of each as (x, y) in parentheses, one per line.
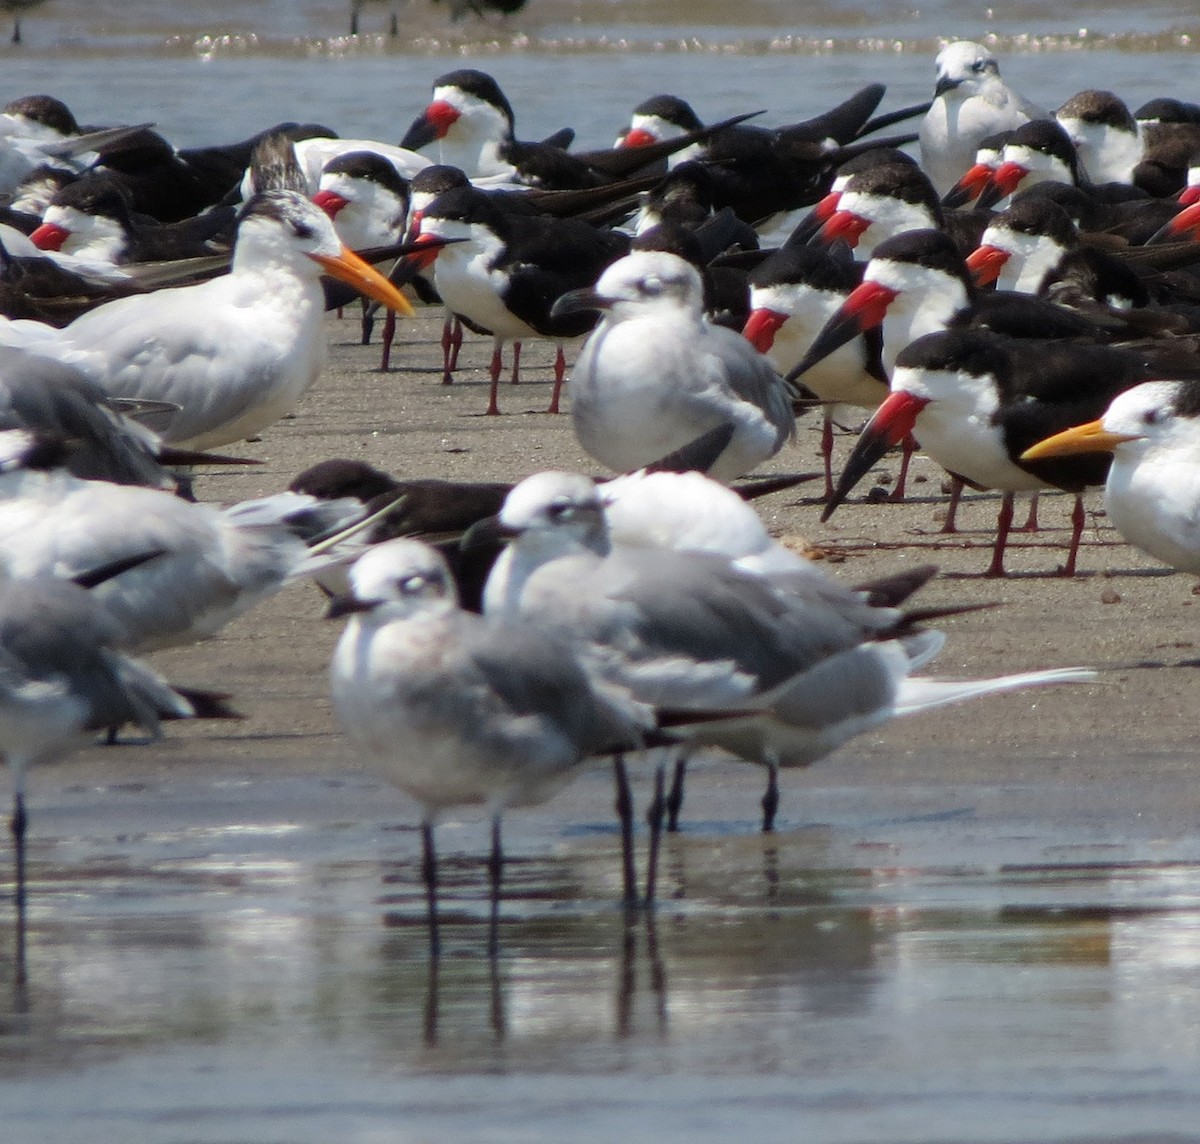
(235, 353)
(655, 374)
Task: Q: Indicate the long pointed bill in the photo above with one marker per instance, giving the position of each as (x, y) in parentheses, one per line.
(1185, 225)
(843, 224)
(637, 137)
(330, 202)
(985, 264)
(1089, 438)
(349, 268)
(431, 124)
(1189, 195)
(968, 187)
(889, 425)
(1005, 179)
(863, 309)
(761, 327)
(49, 237)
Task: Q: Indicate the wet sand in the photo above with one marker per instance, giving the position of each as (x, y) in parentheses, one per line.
(973, 924)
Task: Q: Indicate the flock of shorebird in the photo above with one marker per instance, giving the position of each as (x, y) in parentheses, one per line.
(1015, 295)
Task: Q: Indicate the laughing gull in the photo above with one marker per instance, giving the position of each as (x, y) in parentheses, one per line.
(459, 710)
(970, 102)
(689, 630)
(206, 565)
(64, 674)
(655, 374)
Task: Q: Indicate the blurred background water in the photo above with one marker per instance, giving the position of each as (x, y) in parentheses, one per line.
(215, 72)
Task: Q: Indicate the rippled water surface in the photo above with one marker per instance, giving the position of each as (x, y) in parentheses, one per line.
(234, 960)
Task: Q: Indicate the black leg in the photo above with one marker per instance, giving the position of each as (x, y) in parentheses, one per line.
(770, 800)
(18, 825)
(675, 797)
(429, 874)
(624, 808)
(654, 819)
(496, 872)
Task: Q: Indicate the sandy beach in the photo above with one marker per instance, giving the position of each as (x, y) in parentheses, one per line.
(1122, 614)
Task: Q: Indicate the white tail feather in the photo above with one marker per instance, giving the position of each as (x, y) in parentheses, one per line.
(915, 694)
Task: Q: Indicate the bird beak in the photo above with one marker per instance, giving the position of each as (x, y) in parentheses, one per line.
(578, 302)
(1089, 438)
(761, 327)
(1004, 180)
(889, 425)
(329, 202)
(945, 84)
(985, 264)
(1189, 195)
(843, 224)
(968, 187)
(340, 606)
(863, 309)
(1185, 225)
(637, 138)
(487, 532)
(49, 237)
(431, 124)
(349, 268)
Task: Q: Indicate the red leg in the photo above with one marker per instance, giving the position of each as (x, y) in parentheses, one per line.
(560, 372)
(949, 525)
(516, 370)
(1078, 519)
(827, 453)
(448, 348)
(1003, 527)
(456, 340)
(908, 448)
(389, 336)
(1031, 521)
(497, 364)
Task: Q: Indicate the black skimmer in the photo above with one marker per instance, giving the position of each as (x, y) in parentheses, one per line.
(655, 373)
(793, 293)
(976, 401)
(92, 220)
(970, 103)
(366, 197)
(1150, 495)
(505, 271)
(1039, 151)
(472, 122)
(889, 198)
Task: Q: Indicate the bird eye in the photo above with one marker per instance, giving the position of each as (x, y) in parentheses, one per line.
(561, 510)
(302, 230)
(651, 287)
(412, 585)
(978, 66)
(1151, 417)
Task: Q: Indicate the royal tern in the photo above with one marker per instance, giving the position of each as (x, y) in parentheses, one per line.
(235, 353)
(1152, 495)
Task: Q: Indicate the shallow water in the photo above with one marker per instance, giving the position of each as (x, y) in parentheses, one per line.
(225, 959)
(228, 958)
